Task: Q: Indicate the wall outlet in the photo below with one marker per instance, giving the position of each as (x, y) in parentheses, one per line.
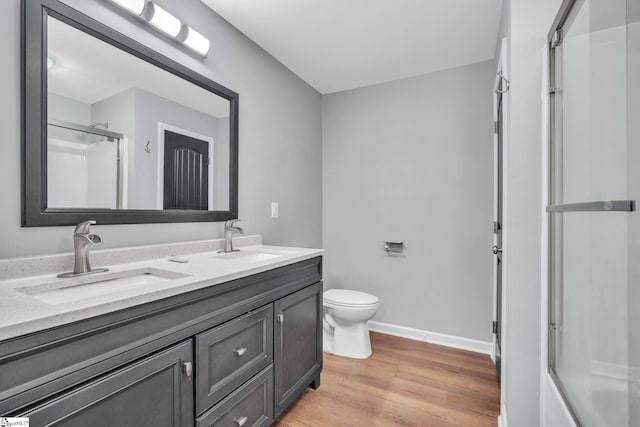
(274, 209)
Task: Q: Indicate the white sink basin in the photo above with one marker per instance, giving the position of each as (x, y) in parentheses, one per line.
(249, 256)
(101, 285)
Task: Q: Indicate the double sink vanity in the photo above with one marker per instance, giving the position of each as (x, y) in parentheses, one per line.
(219, 339)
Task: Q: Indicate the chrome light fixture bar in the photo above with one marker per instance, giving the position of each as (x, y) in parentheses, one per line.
(163, 21)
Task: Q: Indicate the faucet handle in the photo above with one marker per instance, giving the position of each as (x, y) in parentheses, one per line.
(84, 227)
(229, 223)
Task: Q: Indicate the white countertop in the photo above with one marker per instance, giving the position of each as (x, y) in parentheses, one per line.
(21, 313)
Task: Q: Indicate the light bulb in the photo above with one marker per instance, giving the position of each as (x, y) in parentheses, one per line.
(197, 41)
(134, 6)
(164, 21)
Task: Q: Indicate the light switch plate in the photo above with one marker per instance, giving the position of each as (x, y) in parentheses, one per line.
(274, 209)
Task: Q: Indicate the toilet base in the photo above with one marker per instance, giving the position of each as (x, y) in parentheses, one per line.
(349, 340)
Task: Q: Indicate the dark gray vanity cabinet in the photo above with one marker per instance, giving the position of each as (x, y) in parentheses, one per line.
(298, 344)
(230, 354)
(155, 392)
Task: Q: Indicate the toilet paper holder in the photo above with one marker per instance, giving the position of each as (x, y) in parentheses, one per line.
(393, 247)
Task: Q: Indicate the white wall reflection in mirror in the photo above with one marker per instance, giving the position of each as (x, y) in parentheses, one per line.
(125, 134)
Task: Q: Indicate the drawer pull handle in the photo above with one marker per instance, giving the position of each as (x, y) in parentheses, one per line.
(187, 368)
(240, 421)
(240, 351)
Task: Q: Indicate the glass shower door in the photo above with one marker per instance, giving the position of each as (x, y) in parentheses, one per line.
(592, 214)
(83, 167)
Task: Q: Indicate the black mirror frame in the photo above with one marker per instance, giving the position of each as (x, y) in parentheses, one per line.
(34, 125)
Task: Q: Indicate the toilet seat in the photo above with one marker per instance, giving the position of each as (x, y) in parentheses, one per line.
(353, 306)
(349, 298)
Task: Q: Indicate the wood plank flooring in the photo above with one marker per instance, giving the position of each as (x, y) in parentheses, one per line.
(404, 383)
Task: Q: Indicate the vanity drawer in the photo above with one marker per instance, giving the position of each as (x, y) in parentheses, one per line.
(230, 354)
(249, 406)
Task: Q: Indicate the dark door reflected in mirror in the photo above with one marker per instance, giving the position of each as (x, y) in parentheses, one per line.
(186, 172)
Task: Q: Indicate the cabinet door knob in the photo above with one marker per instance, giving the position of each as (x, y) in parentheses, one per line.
(240, 351)
(187, 368)
(240, 421)
(280, 318)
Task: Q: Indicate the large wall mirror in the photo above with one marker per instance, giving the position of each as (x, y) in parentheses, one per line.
(117, 132)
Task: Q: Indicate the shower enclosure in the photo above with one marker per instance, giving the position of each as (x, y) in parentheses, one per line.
(85, 167)
(594, 236)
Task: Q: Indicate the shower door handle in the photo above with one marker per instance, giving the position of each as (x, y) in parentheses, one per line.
(600, 206)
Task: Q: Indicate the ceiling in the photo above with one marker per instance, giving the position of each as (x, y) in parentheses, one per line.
(337, 45)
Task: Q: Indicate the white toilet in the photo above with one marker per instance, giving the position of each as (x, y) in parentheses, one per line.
(346, 313)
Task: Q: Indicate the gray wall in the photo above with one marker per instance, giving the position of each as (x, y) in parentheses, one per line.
(411, 161)
(68, 110)
(280, 135)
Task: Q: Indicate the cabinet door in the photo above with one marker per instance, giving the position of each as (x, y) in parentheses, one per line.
(156, 392)
(298, 344)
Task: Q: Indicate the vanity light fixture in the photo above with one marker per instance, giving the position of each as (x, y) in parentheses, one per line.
(196, 41)
(134, 6)
(163, 21)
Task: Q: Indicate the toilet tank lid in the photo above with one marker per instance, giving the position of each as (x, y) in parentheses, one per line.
(348, 297)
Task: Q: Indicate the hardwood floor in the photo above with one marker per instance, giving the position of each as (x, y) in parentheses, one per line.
(404, 383)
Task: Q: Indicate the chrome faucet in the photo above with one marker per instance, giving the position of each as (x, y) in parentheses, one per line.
(229, 231)
(82, 242)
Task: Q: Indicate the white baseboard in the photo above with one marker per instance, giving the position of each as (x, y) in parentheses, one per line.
(432, 337)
